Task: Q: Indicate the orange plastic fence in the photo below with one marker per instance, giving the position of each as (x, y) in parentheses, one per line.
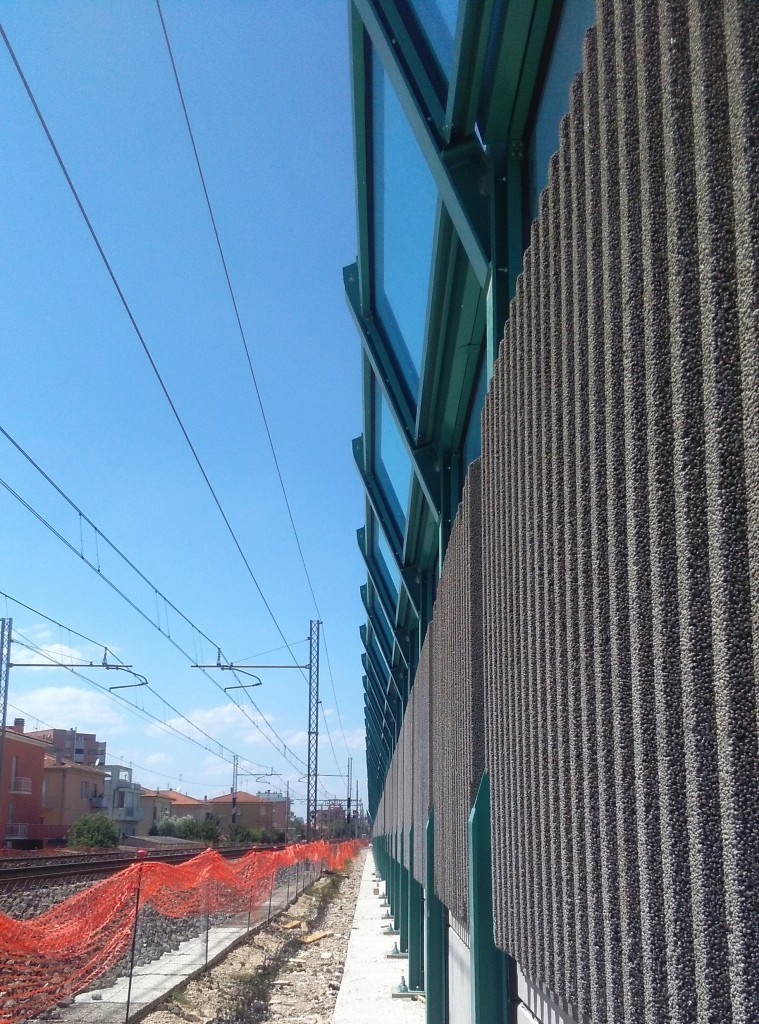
(62, 952)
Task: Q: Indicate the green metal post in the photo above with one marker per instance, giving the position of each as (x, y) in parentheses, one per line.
(488, 964)
(415, 923)
(435, 970)
(403, 900)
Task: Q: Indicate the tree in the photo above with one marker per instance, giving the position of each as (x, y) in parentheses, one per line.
(187, 827)
(93, 830)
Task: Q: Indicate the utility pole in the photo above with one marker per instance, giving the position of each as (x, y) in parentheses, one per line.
(6, 628)
(348, 821)
(313, 727)
(313, 711)
(235, 764)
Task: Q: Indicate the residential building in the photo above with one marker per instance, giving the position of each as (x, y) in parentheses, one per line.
(251, 812)
(121, 800)
(556, 293)
(69, 792)
(22, 788)
(79, 747)
(155, 804)
(330, 820)
(281, 808)
(182, 804)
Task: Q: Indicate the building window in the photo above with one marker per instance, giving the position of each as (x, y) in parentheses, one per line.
(84, 790)
(404, 209)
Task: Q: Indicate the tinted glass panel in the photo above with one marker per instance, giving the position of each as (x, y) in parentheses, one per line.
(379, 657)
(438, 18)
(405, 200)
(383, 557)
(576, 18)
(392, 466)
(473, 439)
(380, 623)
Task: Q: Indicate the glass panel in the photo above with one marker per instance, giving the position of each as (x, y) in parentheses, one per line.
(381, 625)
(576, 18)
(473, 439)
(383, 558)
(405, 201)
(379, 658)
(392, 465)
(438, 18)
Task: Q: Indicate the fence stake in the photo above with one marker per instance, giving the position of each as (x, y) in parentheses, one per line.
(271, 892)
(141, 855)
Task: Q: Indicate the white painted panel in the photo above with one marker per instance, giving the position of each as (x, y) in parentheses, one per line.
(459, 983)
(539, 1004)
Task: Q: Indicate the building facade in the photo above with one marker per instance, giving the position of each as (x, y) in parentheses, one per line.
(22, 789)
(556, 294)
(155, 805)
(69, 792)
(75, 746)
(121, 799)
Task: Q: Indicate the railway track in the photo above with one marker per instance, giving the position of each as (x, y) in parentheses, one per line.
(74, 865)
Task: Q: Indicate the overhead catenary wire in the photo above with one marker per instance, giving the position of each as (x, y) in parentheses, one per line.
(140, 336)
(127, 761)
(332, 746)
(246, 347)
(286, 752)
(29, 644)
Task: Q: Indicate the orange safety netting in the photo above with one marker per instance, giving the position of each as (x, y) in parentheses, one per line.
(63, 951)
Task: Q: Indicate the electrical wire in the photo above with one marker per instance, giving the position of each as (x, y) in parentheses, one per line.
(286, 752)
(27, 643)
(342, 775)
(140, 337)
(247, 353)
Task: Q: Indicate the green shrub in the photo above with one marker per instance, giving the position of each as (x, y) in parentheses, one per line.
(93, 830)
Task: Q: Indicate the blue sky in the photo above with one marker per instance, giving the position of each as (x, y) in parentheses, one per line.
(268, 92)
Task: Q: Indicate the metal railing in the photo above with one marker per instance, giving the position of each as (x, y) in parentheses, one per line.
(20, 785)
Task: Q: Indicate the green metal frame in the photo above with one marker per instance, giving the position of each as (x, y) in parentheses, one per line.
(472, 132)
(435, 966)
(489, 973)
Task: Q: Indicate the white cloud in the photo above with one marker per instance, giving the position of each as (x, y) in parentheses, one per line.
(157, 760)
(65, 707)
(226, 723)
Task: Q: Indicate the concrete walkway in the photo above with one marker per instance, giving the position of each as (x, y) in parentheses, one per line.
(369, 977)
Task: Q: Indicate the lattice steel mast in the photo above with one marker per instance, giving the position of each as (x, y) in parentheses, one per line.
(313, 728)
(6, 629)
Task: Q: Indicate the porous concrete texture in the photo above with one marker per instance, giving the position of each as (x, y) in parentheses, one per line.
(619, 549)
(457, 721)
(620, 595)
(420, 699)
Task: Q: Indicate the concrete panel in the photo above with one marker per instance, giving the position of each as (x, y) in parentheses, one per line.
(459, 985)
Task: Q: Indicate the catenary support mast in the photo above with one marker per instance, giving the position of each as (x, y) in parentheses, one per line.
(313, 728)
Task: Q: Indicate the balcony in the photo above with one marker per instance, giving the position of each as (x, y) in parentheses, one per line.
(20, 785)
(127, 814)
(16, 830)
(98, 803)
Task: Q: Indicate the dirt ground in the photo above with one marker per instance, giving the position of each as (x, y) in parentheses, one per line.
(278, 975)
